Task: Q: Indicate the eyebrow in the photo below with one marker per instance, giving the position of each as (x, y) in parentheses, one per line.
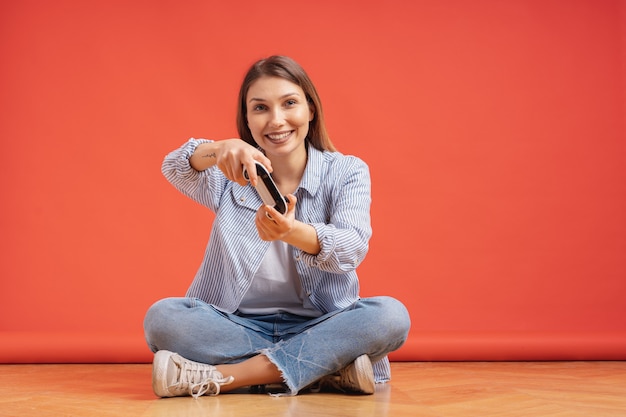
(280, 98)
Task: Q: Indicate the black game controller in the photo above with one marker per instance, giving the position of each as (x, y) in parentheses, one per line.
(267, 189)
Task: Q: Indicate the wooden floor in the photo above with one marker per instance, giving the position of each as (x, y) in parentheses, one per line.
(528, 389)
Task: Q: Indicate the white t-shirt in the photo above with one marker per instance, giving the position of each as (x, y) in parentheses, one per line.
(276, 286)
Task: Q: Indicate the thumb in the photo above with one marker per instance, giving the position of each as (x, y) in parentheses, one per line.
(291, 202)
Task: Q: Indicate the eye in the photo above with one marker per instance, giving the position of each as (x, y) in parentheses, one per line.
(259, 107)
(291, 102)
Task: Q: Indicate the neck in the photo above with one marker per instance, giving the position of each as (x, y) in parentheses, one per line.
(288, 171)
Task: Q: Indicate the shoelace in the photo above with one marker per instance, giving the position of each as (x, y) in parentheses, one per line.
(199, 379)
(209, 385)
(345, 380)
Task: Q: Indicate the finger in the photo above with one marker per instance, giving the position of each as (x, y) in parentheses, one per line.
(250, 169)
(273, 214)
(225, 168)
(264, 214)
(264, 160)
(291, 202)
(261, 230)
(265, 227)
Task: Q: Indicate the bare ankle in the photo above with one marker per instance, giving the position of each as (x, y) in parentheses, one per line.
(258, 370)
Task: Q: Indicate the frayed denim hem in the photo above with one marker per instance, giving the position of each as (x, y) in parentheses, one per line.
(290, 385)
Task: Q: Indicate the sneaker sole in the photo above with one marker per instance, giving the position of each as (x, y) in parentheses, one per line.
(365, 374)
(159, 373)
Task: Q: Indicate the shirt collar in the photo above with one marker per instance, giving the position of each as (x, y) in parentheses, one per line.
(312, 177)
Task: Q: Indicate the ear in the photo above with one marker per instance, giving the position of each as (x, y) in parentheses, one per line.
(311, 111)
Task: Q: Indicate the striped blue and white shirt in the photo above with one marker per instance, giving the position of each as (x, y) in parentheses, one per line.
(334, 197)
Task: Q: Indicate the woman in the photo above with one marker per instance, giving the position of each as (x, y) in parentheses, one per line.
(276, 298)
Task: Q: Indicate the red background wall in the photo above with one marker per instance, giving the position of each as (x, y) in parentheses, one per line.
(495, 132)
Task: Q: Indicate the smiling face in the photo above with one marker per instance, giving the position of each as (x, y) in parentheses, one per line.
(278, 116)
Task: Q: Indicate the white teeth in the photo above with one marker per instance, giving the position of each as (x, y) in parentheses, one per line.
(278, 136)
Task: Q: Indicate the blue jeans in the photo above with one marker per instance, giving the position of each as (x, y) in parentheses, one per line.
(303, 349)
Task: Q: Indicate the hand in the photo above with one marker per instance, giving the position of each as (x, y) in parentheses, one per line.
(230, 156)
(234, 155)
(271, 225)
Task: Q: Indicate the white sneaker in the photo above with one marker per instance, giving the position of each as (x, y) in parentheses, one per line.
(175, 376)
(356, 378)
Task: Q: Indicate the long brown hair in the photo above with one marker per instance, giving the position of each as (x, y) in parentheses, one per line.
(290, 70)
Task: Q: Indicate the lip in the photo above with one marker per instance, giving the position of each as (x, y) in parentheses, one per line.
(278, 137)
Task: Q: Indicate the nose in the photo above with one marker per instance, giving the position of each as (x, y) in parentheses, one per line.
(277, 117)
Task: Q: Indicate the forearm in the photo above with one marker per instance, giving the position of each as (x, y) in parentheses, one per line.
(230, 156)
(304, 237)
(205, 156)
